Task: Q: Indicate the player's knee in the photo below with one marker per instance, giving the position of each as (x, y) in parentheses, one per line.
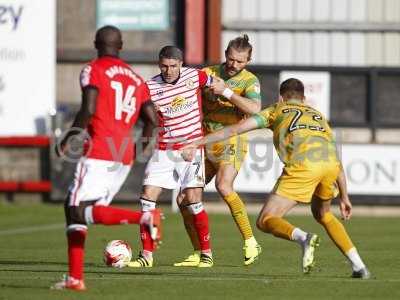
(75, 215)
(192, 195)
(316, 214)
(323, 217)
(223, 187)
(263, 223)
(259, 224)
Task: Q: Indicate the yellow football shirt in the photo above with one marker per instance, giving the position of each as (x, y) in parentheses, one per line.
(300, 132)
(219, 111)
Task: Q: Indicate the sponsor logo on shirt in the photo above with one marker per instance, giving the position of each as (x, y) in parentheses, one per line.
(179, 104)
(178, 101)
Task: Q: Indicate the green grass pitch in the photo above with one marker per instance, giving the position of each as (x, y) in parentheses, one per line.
(33, 256)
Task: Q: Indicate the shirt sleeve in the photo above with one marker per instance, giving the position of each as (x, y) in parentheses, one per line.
(265, 118)
(204, 79)
(89, 77)
(253, 90)
(142, 93)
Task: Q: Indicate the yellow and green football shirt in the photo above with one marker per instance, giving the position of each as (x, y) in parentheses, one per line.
(300, 132)
(219, 111)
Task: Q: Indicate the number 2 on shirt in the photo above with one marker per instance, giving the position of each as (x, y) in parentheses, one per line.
(124, 103)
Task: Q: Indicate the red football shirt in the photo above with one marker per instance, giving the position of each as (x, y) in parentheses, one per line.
(121, 95)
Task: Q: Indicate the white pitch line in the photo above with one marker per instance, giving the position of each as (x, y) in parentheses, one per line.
(30, 229)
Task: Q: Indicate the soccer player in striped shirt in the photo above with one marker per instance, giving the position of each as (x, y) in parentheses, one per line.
(235, 94)
(176, 95)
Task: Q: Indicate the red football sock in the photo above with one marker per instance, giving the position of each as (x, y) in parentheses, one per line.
(201, 224)
(147, 241)
(76, 252)
(108, 215)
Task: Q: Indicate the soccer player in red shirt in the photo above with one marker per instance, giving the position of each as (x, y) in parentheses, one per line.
(113, 97)
(176, 94)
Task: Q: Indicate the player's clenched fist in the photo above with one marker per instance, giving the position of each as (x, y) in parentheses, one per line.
(218, 85)
(345, 207)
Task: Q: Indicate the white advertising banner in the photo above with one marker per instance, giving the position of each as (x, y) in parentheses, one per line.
(317, 87)
(370, 169)
(27, 65)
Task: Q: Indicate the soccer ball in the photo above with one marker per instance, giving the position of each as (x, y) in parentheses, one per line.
(117, 254)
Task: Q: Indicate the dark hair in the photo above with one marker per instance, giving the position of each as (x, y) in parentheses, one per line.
(171, 52)
(241, 43)
(291, 87)
(108, 37)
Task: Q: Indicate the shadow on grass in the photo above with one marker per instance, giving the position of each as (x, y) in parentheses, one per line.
(44, 263)
(31, 263)
(23, 286)
(195, 273)
(160, 271)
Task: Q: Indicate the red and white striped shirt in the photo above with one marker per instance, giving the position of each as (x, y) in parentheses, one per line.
(178, 107)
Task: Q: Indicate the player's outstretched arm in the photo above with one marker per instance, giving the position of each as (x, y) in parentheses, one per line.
(220, 135)
(345, 203)
(247, 106)
(82, 118)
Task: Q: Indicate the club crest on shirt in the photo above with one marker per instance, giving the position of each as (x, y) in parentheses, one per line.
(189, 84)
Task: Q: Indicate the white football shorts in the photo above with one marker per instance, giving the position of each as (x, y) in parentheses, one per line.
(97, 180)
(168, 170)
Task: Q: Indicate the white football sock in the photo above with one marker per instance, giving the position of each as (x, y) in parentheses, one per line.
(299, 236)
(147, 205)
(355, 259)
(195, 208)
(250, 242)
(207, 252)
(147, 254)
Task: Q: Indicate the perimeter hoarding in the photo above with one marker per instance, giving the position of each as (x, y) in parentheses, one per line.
(27, 65)
(370, 169)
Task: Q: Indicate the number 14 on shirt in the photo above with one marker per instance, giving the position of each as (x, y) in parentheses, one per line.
(124, 103)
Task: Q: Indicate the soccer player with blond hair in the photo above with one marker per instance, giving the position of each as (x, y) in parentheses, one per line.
(234, 95)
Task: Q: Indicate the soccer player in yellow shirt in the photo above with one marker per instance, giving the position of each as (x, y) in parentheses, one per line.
(312, 173)
(234, 95)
